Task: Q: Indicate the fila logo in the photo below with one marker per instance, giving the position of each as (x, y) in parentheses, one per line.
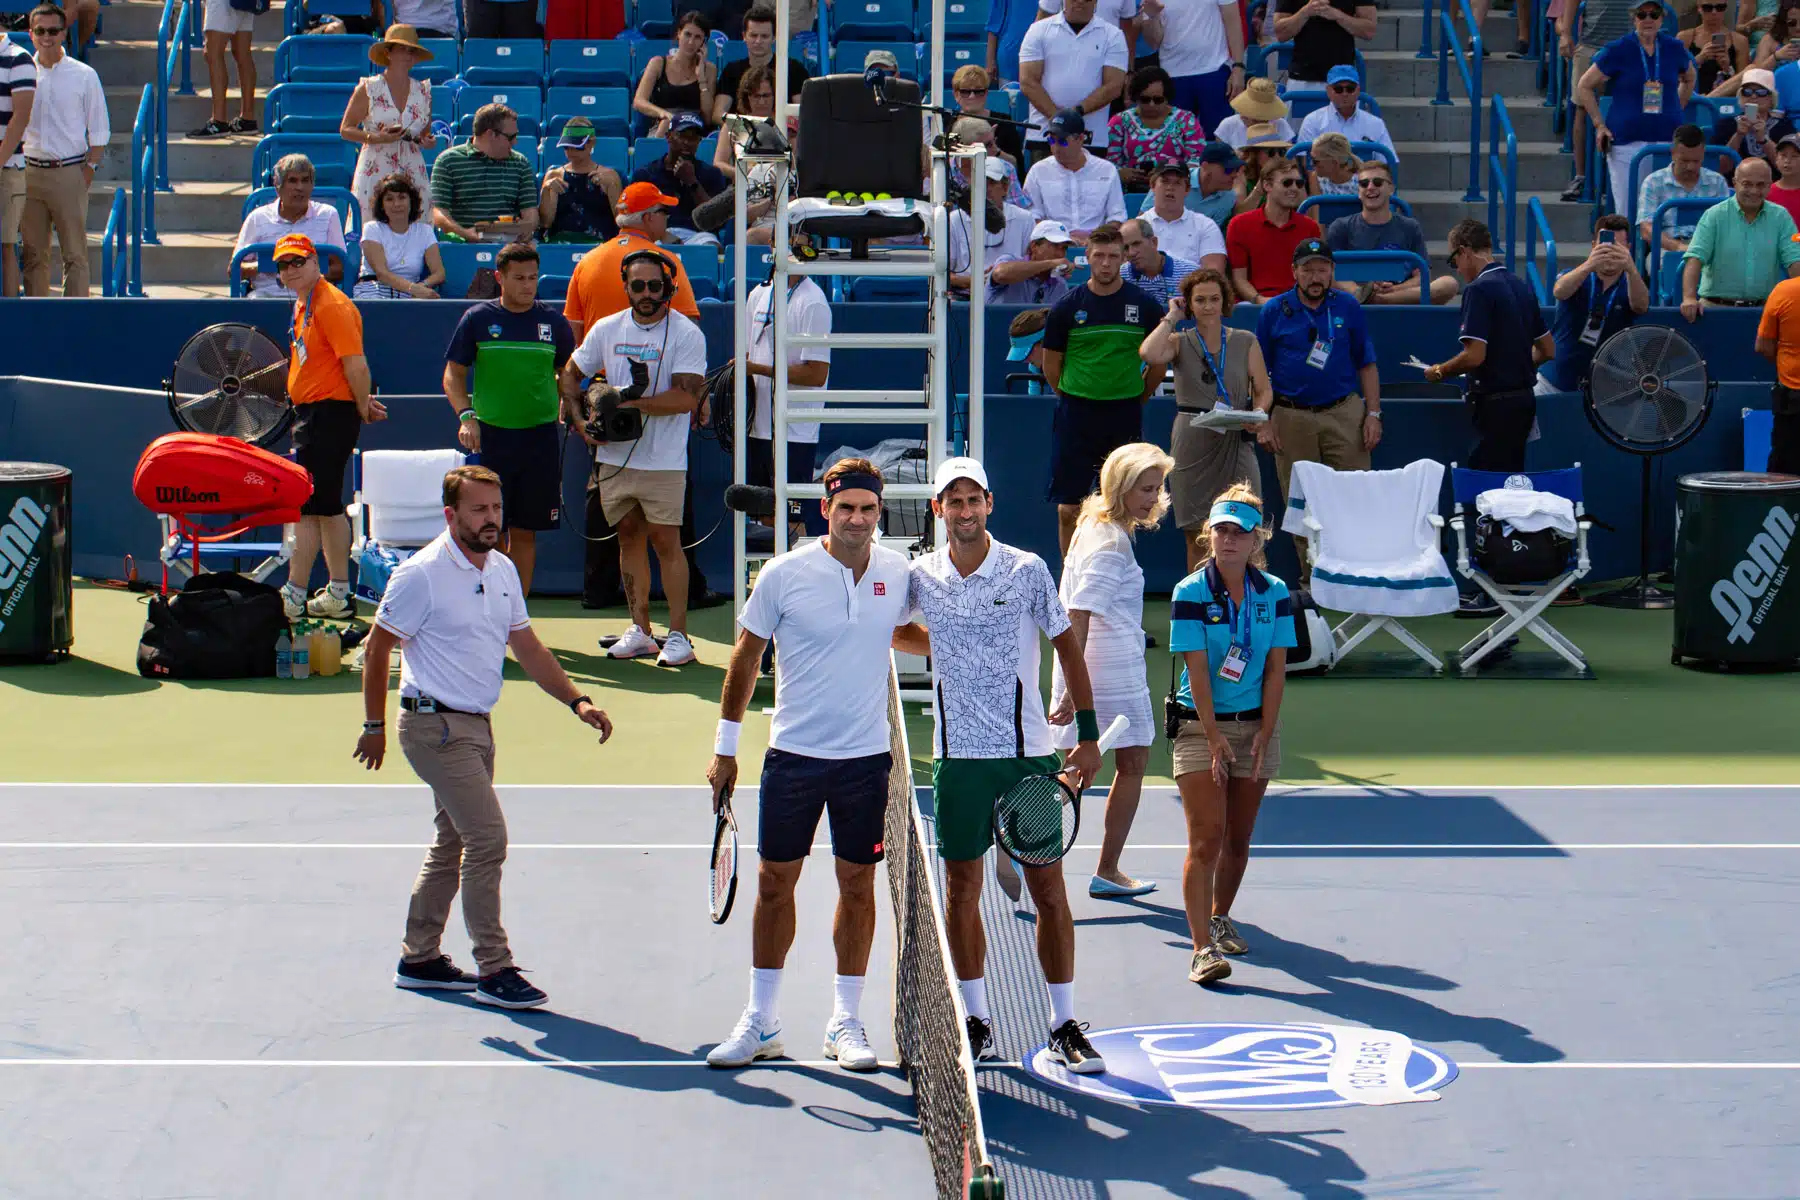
(880, 588)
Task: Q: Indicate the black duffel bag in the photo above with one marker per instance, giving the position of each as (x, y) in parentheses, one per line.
(220, 626)
(1513, 556)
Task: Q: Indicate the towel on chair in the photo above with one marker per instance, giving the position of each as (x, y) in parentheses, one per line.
(404, 490)
(1527, 510)
(1376, 550)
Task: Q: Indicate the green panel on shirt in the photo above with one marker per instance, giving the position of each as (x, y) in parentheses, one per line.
(1102, 363)
(515, 383)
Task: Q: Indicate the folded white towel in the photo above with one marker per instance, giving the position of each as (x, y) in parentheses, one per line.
(1528, 511)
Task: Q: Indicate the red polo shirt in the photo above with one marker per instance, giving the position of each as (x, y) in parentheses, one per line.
(1266, 250)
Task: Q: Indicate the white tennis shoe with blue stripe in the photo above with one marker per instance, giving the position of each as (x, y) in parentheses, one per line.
(847, 1041)
(748, 1042)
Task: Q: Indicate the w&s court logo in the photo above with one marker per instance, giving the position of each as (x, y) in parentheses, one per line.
(1255, 1067)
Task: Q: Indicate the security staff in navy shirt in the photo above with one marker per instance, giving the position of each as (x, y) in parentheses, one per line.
(1594, 300)
(1503, 342)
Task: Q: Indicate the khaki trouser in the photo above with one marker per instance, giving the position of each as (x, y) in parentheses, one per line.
(454, 754)
(55, 198)
(1333, 436)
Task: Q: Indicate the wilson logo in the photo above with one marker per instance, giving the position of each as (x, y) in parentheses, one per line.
(18, 538)
(183, 495)
(1745, 598)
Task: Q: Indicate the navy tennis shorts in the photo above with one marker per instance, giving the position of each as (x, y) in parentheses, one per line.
(1082, 434)
(796, 789)
(529, 463)
(325, 433)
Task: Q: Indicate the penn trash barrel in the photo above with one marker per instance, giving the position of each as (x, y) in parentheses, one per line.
(37, 579)
(1737, 594)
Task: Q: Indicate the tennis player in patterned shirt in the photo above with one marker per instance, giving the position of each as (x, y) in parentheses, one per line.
(984, 604)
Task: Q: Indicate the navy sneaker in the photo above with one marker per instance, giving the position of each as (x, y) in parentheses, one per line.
(981, 1041)
(434, 974)
(507, 988)
(1070, 1047)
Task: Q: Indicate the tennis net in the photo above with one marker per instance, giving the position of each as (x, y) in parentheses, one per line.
(929, 1019)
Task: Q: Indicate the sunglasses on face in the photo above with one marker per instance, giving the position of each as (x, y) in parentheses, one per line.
(287, 264)
(41, 31)
(511, 137)
(1713, 7)
(1754, 93)
(1376, 184)
(1648, 16)
(652, 286)
(1153, 98)
(1343, 89)
(1289, 183)
(971, 91)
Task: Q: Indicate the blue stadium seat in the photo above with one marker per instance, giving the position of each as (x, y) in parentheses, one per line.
(323, 58)
(528, 102)
(556, 265)
(614, 152)
(891, 290)
(647, 150)
(590, 64)
(333, 159)
(1134, 203)
(443, 105)
(709, 146)
(847, 56)
(962, 19)
(501, 62)
(872, 20)
(446, 60)
(306, 107)
(655, 18)
(461, 261)
(702, 266)
(732, 52)
(608, 108)
(959, 53)
(265, 251)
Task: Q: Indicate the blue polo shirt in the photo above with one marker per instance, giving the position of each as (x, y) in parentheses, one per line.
(705, 175)
(1007, 21)
(1287, 330)
(1573, 356)
(1499, 309)
(1202, 617)
(1628, 66)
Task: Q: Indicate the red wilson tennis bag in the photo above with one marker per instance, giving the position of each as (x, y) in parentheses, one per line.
(203, 473)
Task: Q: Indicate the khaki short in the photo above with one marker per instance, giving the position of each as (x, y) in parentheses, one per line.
(1192, 754)
(12, 205)
(658, 493)
(1583, 59)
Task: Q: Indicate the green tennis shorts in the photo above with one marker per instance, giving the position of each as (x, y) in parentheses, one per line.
(964, 790)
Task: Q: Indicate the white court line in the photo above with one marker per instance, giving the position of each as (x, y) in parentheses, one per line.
(1432, 847)
(295, 1064)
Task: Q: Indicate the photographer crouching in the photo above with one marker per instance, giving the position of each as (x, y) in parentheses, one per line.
(640, 434)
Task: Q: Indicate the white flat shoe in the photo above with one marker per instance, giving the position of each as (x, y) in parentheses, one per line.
(1105, 889)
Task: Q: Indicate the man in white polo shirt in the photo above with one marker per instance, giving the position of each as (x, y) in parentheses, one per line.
(457, 606)
(1073, 60)
(1179, 229)
(1079, 189)
(831, 607)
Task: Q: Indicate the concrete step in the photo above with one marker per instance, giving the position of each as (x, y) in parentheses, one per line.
(138, 20)
(132, 62)
(179, 258)
(190, 208)
(186, 291)
(1436, 211)
(1402, 73)
(206, 160)
(1419, 119)
(1432, 166)
(1399, 30)
(185, 112)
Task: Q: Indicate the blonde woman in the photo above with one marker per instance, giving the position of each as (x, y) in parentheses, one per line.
(1103, 589)
(1232, 623)
(1334, 167)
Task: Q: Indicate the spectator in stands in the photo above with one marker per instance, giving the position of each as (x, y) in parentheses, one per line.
(643, 482)
(1261, 244)
(597, 289)
(1651, 79)
(1778, 339)
(228, 28)
(1007, 24)
(1324, 33)
(1757, 129)
(510, 412)
(1322, 371)
(1200, 43)
(484, 190)
(1152, 130)
(808, 313)
(1012, 240)
(400, 256)
(428, 18)
(577, 200)
(1181, 231)
(292, 211)
(684, 80)
(1026, 338)
(1742, 247)
(1073, 61)
(1091, 360)
(1071, 185)
(18, 84)
(65, 140)
(1147, 265)
(756, 97)
(390, 115)
(759, 40)
(1786, 189)
(328, 382)
(1777, 48)
(1122, 15)
(679, 173)
(1720, 52)
(1263, 146)
(1594, 300)
(1333, 171)
(1379, 227)
(1606, 21)
(972, 130)
(1221, 185)
(1685, 178)
(1258, 104)
(1345, 113)
(1213, 366)
(500, 19)
(970, 86)
(364, 24)
(1041, 277)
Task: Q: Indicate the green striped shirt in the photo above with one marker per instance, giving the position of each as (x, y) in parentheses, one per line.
(469, 186)
(1099, 338)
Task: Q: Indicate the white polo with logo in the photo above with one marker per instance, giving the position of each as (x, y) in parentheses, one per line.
(454, 618)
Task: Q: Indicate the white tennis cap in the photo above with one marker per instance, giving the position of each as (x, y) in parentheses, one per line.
(1050, 231)
(953, 469)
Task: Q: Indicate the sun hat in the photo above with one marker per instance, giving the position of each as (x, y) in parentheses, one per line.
(1260, 102)
(398, 35)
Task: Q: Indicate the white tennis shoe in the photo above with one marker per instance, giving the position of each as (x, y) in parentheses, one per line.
(847, 1041)
(748, 1042)
(635, 642)
(677, 651)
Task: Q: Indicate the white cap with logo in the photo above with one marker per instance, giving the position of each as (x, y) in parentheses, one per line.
(953, 469)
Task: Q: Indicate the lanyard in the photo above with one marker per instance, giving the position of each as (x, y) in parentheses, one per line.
(1612, 299)
(1233, 610)
(1212, 364)
(1321, 320)
(1652, 61)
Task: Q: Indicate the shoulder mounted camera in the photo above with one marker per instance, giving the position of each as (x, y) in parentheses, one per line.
(608, 419)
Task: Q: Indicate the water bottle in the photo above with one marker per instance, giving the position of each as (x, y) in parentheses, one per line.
(284, 656)
(302, 657)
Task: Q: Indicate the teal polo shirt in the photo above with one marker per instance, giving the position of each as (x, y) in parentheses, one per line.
(1202, 617)
(1739, 259)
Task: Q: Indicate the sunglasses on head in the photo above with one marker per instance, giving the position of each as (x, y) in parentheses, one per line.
(1343, 88)
(653, 286)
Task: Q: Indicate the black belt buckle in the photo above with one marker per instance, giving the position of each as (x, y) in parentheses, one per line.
(421, 704)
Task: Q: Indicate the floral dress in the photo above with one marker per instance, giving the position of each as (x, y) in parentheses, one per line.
(1179, 139)
(376, 163)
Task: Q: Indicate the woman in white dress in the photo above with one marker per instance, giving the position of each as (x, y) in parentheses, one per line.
(1103, 589)
(389, 115)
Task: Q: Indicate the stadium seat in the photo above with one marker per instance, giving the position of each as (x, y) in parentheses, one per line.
(503, 62)
(446, 60)
(333, 159)
(872, 20)
(323, 58)
(443, 105)
(958, 53)
(731, 52)
(528, 102)
(889, 290)
(265, 252)
(307, 107)
(1134, 203)
(655, 19)
(339, 198)
(608, 108)
(461, 261)
(702, 266)
(647, 150)
(590, 64)
(614, 152)
(962, 19)
(556, 266)
(847, 56)
(709, 146)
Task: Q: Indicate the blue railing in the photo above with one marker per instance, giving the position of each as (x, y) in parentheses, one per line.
(1425, 32)
(115, 247)
(176, 38)
(143, 193)
(1543, 280)
(1503, 178)
(1468, 65)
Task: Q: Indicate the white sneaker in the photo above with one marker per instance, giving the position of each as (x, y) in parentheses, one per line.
(847, 1041)
(324, 604)
(293, 609)
(635, 642)
(748, 1042)
(677, 651)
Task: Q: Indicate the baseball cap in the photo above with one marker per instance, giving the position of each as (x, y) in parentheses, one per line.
(683, 122)
(1068, 123)
(294, 244)
(578, 132)
(642, 197)
(953, 469)
(881, 58)
(1050, 231)
(1791, 142)
(1757, 77)
(1342, 73)
(996, 168)
(1311, 248)
(1169, 167)
(1221, 154)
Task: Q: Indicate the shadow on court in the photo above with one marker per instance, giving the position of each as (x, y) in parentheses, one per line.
(1323, 823)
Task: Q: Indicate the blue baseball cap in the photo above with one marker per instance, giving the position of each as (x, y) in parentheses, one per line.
(1343, 73)
(1223, 155)
(683, 122)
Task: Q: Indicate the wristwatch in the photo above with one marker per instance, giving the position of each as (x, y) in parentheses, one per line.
(577, 702)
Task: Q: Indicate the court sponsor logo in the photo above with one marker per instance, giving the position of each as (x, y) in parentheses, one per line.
(18, 538)
(1745, 598)
(185, 495)
(1247, 1066)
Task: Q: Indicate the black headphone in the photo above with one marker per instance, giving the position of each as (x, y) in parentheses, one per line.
(662, 264)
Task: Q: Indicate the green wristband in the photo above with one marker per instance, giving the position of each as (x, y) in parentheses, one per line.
(1087, 726)
(467, 414)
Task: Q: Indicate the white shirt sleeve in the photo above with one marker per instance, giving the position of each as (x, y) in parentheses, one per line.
(762, 611)
(1031, 48)
(1313, 125)
(1212, 241)
(1115, 198)
(1045, 605)
(406, 603)
(1034, 188)
(247, 231)
(1118, 54)
(814, 320)
(590, 356)
(1380, 134)
(688, 354)
(334, 227)
(99, 125)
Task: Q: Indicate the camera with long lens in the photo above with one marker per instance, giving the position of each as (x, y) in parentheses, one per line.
(608, 418)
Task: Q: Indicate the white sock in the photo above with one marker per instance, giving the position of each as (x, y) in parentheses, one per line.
(339, 589)
(765, 991)
(849, 995)
(1062, 1003)
(974, 994)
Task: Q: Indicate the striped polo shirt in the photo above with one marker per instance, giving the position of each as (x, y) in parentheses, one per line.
(18, 73)
(471, 187)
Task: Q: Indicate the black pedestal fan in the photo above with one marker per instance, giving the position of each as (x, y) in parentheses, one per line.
(231, 380)
(1647, 393)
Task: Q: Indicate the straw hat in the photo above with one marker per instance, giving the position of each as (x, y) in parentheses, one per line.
(1259, 102)
(398, 35)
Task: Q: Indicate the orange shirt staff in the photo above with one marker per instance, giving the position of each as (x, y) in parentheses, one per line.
(597, 288)
(1778, 339)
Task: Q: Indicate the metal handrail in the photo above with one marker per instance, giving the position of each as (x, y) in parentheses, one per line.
(1468, 65)
(143, 202)
(115, 256)
(1503, 177)
(1536, 220)
(1425, 33)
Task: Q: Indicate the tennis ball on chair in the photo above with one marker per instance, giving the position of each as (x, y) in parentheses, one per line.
(883, 196)
(834, 195)
(868, 197)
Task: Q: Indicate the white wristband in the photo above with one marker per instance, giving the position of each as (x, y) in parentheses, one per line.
(725, 741)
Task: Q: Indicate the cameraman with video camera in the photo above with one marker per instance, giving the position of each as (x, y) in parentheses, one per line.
(653, 362)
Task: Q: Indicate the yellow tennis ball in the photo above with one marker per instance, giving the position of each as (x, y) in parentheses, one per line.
(834, 195)
(883, 196)
(868, 198)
